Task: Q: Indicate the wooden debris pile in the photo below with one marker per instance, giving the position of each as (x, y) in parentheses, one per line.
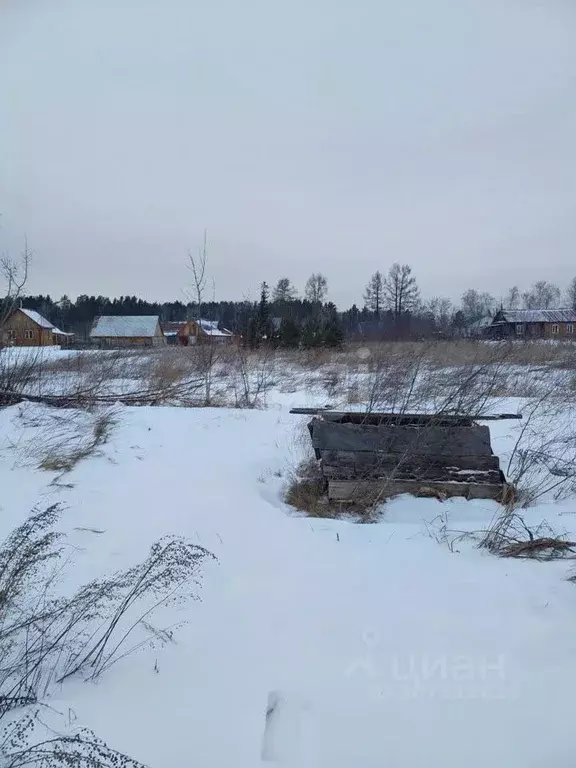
(381, 455)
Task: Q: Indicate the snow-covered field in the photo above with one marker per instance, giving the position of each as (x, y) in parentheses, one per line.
(371, 645)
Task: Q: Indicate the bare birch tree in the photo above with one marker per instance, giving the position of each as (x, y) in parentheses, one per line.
(571, 294)
(197, 265)
(542, 295)
(14, 274)
(316, 288)
(206, 352)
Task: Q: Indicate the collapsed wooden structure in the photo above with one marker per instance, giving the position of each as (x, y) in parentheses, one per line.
(379, 455)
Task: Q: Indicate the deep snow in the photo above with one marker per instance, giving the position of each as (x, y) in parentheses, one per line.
(379, 645)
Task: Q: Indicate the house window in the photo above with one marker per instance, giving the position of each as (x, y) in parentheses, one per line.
(570, 328)
(555, 329)
(520, 329)
(28, 334)
(11, 334)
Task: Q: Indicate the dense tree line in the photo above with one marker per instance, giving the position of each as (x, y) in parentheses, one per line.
(392, 308)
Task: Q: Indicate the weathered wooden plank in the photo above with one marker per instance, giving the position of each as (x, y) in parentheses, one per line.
(447, 441)
(427, 474)
(351, 491)
(358, 417)
(377, 419)
(409, 419)
(364, 460)
(309, 411)
(499, 417)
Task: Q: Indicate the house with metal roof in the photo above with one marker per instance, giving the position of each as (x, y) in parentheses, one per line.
(28, 328)
(112, 331)
(189, 332)
(533, 324)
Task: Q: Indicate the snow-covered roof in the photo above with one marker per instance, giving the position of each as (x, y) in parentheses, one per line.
(125, 326)
(538, 315)
(40, 320)
(37, 318)
(210, 328)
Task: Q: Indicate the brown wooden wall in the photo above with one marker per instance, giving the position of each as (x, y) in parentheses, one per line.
(544, 331)
(128, 341)
(26, 332)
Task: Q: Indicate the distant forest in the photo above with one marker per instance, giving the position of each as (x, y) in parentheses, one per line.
(392, 308)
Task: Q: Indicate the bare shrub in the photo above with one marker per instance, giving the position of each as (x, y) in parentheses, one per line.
(168, 368)
(405, 379)
(332, 382)
(543, 459)
(104, 377)
(252, 375)
(45, 638)
(20, 748)
(19, 366)
(314, 358)
(353, 396)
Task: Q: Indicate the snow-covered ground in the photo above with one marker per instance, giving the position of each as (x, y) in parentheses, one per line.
(372, 645)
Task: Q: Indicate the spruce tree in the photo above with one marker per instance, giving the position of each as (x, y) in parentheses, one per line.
(289, 334)
(332, 334)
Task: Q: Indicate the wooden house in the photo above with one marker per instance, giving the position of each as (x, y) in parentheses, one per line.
(174, 332)
(533, 324)
(27, 328)
(189, 332)
(113, 331)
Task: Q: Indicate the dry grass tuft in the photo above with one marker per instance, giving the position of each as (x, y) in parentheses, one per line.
(307, 492)
(540, 549)
(64, 456)
(510, 536)
(168, 368)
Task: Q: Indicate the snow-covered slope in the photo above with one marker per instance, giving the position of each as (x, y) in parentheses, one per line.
(374, 644)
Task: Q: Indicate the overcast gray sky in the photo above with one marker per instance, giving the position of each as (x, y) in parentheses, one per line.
(327, 135)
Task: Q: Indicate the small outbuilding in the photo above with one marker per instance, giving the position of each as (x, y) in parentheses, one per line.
(114, 331)
(189, 332)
